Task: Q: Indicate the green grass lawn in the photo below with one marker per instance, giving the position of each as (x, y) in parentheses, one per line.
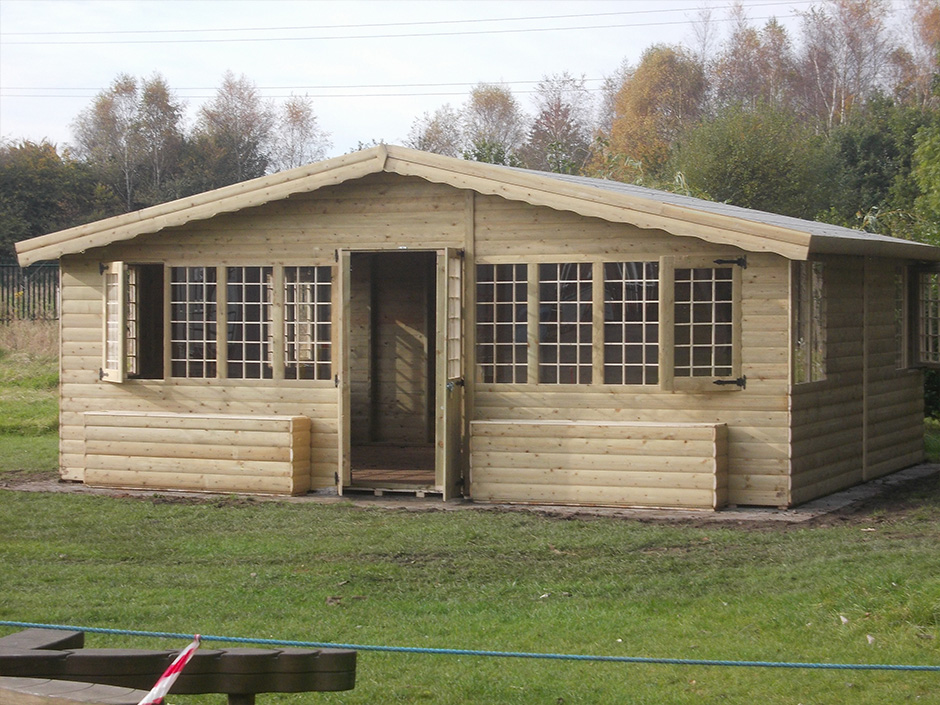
(500, 581)
(859, 588)
(29, 411)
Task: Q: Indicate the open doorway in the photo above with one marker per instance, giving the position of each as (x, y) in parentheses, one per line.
(392, 324)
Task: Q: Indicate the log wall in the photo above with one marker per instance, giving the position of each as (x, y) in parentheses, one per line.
(205, 452)
(866, 418)
(643, 464)
(757, 417)
(375, 213)
(836, 429)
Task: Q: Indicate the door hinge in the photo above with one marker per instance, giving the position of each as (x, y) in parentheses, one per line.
(740, 381)
(336, 380)
(336, 477)
(740, 261)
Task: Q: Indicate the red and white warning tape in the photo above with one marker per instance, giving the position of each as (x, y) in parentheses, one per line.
(165, 682)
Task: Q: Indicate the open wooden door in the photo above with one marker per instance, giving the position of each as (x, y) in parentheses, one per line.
(449, 391)
(341, 319)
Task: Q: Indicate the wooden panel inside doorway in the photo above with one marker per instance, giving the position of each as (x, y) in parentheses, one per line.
(392, 368)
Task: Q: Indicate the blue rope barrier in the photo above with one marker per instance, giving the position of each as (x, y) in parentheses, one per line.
(478, 652)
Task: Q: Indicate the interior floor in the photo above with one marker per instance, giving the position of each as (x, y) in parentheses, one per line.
(384, 465)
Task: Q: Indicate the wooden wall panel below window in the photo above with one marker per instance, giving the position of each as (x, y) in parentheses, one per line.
(605, 464)
(202, 452)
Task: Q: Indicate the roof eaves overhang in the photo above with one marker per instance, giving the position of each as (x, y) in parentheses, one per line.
(229, 199)
(875, 247)
(646, 213)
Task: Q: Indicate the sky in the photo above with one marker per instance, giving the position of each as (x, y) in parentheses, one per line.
(371, 67)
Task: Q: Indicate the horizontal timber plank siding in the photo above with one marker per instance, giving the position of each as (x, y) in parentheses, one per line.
(865, 419)
(613, 464)
(206, 452)
(757, 417)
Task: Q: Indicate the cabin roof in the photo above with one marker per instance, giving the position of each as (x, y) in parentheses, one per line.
(719, 223)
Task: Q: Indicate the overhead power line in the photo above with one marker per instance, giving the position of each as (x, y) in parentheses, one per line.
(423, 23)
(390, 35)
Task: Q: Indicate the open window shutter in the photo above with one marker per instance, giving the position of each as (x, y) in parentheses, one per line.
(703, 312)
(114, 342)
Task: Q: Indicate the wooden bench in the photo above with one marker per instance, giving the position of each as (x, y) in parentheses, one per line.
(200, 452)
(44, 663)
(600, 463)
(43, 691)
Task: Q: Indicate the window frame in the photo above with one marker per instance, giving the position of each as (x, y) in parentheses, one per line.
(287, 308)
(114, 322)
(808, 321)
(669, 381)
(917, 320)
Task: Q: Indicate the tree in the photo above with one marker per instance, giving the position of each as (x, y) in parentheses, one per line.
(494, 125)
(232, 135)
(132, 136)
(160, 117)
(873, 187)
(925, 52)
(559, 138)
(758, 158)
(754, 66)
(926, 172)
(108, 137)
(41, 192)
(299, 139)
(439, 133)
(845, 57)
(662, 98)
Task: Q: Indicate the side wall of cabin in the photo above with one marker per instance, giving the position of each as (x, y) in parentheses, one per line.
(865, 419)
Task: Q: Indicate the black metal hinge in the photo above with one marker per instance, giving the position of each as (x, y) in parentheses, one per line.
(740, 261)
(740, 381)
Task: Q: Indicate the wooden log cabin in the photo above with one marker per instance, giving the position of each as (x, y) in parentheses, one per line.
(395, 320)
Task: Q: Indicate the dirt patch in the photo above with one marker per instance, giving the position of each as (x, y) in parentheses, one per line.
(910, 493)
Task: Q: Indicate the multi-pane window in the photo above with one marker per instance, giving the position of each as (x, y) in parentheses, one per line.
(900, 322)
(113, 319)
(565, 323)
(502, 293)
(193, 304)
(132, 322)
(929, 315)
(809, 335)
(248, 322)
(307, 320)
(631, 322)
(704, 326)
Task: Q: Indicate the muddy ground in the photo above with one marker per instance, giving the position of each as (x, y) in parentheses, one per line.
(915, 491)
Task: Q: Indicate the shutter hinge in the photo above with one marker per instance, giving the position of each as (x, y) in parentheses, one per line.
(740, 381)
(102, 268)
(740, 261)
(336, 380)
(336, 477)
(100, 374)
